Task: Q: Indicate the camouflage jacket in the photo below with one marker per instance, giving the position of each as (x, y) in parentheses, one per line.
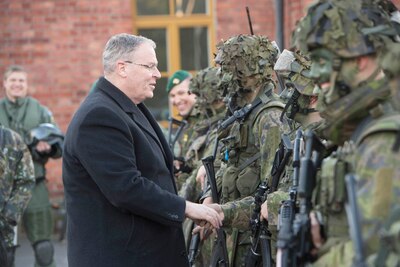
(369, 155)
(249, 150)
(17, 180)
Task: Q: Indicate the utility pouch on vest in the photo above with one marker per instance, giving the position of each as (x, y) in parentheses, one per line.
(248, 180)
(332, 195)
(229, 190)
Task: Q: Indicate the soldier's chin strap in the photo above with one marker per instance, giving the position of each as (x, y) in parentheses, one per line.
(295, 107)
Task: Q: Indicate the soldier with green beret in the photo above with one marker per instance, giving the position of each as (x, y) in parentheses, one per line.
(181, 99)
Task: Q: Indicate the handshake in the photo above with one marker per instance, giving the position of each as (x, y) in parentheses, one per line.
(208, 216)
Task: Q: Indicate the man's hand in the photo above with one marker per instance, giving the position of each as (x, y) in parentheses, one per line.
(316, 236)
(201, 176)
(43, 147)
(206, 229)
(264, 211)
(201, 214)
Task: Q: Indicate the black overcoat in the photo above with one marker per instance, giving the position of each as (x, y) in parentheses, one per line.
(120, 192)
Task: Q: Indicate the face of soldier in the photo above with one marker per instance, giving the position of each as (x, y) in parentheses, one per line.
(321, 67)
(180, 98)
(16, 85)
(351, 72)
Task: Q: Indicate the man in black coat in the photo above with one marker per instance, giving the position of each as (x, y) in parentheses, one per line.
(121, 197)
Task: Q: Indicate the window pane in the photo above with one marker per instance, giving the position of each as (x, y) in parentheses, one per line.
(152, 7)
(158, 105)
(194, 48)
(159, 37)
(188, 7)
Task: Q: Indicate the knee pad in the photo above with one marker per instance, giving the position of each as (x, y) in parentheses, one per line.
(44, 252)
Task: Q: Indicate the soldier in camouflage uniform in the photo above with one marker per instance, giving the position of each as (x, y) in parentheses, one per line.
(249, 147)
(16, 183)
(208, 88)
(346, 39)
(180, 98)
(294, 68)
(206, 85)
(22, 114)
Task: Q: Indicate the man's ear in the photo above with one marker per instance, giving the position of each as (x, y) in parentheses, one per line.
(121, 69)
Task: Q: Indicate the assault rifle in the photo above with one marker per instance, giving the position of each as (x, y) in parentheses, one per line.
(220, 253)
(294, 238)
(194, 243)
(260, 250)
(194, 248)
(260, 233)
(282, 156)
(353, 217)
(288, 210)
(173, 138)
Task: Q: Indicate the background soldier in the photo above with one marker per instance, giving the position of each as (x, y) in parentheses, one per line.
(16, 183)
(180, 98)
(23, 114)
(209, 89)
(346, 40)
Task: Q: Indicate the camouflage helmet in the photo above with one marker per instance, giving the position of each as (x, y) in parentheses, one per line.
(206, 84)
(247, 55)
(347, 28)
(294, 67)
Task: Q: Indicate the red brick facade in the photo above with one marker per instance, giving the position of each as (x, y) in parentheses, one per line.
(60, 43)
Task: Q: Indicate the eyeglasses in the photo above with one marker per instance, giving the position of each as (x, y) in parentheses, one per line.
(151, 67)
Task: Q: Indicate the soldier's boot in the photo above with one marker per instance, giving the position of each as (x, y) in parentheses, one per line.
(44, 253)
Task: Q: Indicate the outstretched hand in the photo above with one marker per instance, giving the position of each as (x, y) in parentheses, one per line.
(201, 214)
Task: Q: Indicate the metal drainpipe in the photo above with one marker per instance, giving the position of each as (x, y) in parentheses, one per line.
(279, 20)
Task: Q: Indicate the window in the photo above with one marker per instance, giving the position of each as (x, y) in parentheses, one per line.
(184, 33)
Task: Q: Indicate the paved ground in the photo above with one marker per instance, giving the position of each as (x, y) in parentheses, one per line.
(24, 255)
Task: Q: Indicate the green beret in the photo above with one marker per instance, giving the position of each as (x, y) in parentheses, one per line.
(177, 78)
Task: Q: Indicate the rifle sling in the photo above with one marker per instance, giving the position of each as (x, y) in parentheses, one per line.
(249, 161)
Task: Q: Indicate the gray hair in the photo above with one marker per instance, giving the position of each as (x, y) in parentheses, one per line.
(12, 69)
(121, 46)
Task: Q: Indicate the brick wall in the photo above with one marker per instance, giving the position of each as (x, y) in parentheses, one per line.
(60, 43)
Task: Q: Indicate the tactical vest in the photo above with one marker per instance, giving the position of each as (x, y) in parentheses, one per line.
(22, 117)
(242, 175)
(330, 194)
